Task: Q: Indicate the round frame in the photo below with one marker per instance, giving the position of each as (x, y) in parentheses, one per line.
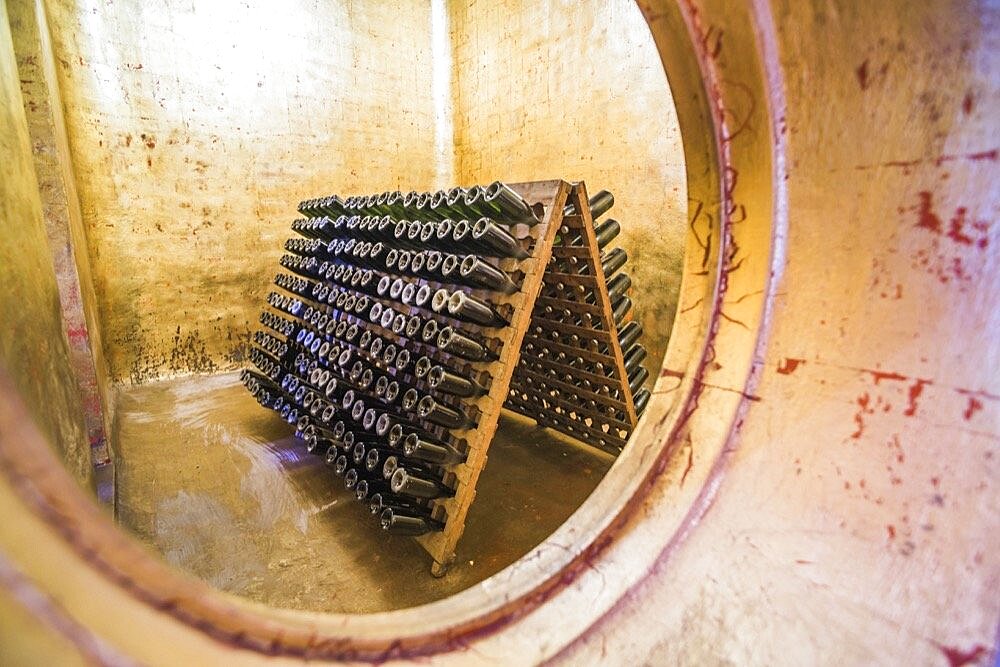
(116, 599)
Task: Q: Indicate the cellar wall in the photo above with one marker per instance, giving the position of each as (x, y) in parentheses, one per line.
(193, 127)
(577, 91)
(34, 351)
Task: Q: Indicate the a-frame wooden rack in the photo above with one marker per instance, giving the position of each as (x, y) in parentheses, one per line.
(561, 331)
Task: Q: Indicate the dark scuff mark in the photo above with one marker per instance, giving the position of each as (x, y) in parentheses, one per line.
(862, 73)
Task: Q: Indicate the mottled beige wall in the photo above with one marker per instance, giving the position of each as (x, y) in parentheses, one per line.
(63, 224)
(576, 90)
(195, 128)
(34, 351)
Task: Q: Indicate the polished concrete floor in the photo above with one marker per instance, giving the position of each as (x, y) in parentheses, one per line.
(218, 486)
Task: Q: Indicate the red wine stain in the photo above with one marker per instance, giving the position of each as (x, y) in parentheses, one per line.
(926, 217)
(788, 365)
(862, 74)
(967, 104)
(863, 402)
(878, 376)
(915, 391)
(957, 231)
(990, 155)
(957, 657)
(975, 405)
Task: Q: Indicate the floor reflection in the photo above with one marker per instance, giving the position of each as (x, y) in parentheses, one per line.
(219, 487)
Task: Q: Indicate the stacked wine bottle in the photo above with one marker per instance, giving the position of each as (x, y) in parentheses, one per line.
(400, 322)
(374, 344)
(568, 376)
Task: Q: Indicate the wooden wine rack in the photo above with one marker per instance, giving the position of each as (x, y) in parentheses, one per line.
(565, 376)
(515, 382)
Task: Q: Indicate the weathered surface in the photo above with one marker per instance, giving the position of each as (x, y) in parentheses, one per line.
(218, 486)
(190, 159)
(563, 90)
(64, 228)
(195, 129)
(814, 480)
(34, 350)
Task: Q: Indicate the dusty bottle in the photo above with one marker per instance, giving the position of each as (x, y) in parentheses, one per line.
(421, 449)
(419, 487)
(402, 522)
(600, 204)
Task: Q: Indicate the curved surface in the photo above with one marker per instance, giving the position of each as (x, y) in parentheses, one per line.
(813, 481)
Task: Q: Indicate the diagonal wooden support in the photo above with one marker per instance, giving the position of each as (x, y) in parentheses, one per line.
(595, 408)
(603, 415)
(552, 195)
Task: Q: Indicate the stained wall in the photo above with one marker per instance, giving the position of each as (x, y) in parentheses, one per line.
(193, 131)
(34, 351)
(576, 90)
(64, 228)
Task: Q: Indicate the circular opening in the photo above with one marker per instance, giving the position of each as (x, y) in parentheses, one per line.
(595, 519)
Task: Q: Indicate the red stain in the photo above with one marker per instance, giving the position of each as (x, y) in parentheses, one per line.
(956, 230)
(862, 74)
(77, 333)
(926, 217)
(967, 104)
(979, 393)
(788, 365)
(975, 405)
(666, 372)
(878, 376)
(891, 531)
(915, 391)
(863, 401)
(990, 155)
(712, 51)
(958, 657)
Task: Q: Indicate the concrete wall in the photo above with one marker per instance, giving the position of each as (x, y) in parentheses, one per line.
(576, 90)
(193, 132)
(34, 351)
(64, 228)
(195, 129)
(832, 500)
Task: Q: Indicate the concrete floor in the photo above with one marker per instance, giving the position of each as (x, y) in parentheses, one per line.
(218, 486)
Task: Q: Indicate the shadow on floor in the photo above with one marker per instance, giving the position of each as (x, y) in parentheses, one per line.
(218, 486)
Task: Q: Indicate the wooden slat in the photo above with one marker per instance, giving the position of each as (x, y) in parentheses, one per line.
(556, 346)
(570, 329)
(570, 407)
(569, 388)
(553, 195)
(612, 382)
(568, 427)
(554, 334)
